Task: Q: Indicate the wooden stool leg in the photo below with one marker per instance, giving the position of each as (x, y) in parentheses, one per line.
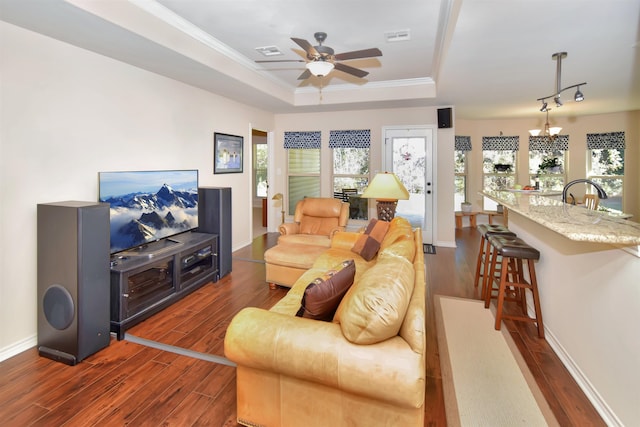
(536, 298)
(458, 221)
(482, 259)
(489, 276)
(501, 292)
(472, 220)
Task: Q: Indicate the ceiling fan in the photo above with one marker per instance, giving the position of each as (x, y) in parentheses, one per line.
(322, 59)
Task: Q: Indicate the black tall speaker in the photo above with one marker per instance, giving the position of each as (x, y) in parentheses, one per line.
(73, 280)
(214, 216)
(444, 118)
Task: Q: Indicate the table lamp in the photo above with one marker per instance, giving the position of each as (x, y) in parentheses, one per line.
(279, 196)
(387, 189)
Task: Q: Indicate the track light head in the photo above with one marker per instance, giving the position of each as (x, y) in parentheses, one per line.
(579, 96)
(557, 100)
(544, 106)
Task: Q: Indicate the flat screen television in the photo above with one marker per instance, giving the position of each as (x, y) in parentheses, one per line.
(148, 206)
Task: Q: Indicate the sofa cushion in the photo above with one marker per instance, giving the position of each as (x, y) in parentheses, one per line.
(399, 229)
(368, 243)
(374, 308)
(322, 296)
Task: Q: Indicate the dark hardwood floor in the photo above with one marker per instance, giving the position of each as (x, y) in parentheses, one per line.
(129, 383)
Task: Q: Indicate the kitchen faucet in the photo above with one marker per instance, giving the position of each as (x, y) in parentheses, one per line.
(601, 193)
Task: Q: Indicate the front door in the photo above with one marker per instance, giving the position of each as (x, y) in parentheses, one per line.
(409, 154)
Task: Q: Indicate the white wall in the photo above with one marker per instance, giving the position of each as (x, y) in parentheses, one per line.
(66, 114)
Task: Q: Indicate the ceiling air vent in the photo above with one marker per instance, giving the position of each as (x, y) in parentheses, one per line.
(269, 50)
(397, 36)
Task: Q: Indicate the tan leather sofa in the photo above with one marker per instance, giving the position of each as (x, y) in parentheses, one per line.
(314, 222)
(355, 371)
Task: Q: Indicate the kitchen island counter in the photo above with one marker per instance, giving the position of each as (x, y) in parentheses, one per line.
(573, 222)
(589, 293)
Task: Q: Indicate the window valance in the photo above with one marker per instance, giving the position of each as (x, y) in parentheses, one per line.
(463, 143)
(350, 138)
(304, 140)
(501, 143)
(603, 141)
(542, 143)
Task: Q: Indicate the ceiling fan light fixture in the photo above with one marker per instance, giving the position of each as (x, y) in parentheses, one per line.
(320, 68)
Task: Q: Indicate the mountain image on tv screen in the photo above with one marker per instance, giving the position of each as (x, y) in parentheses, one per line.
(147, 206)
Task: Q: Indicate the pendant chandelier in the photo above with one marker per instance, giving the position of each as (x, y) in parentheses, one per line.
(551, 133)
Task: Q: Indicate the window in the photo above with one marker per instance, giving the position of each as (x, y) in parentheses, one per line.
(303, 157)
(260, 169)
(304, 175)
(351, 168)
(498, 164)
(462, 147)
(605, 166)
(547, 160)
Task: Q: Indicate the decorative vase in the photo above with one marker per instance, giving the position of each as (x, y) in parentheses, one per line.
(466, 207)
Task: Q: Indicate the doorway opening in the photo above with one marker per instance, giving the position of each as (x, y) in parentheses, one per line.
(259, 181)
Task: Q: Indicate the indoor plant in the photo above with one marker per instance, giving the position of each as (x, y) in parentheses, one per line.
(550, 164)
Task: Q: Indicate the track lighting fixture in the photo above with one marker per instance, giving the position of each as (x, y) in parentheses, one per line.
(579, 96)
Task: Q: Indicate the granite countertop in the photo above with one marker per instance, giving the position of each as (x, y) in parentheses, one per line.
(574, 222)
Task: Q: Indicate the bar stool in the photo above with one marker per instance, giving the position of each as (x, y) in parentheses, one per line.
(512, 284)
(484, 252)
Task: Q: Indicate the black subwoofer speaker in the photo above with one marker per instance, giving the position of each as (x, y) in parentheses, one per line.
(444, 118)
(73, 280)
(214, 217)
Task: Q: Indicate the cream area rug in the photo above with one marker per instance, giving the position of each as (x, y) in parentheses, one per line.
(485, 379)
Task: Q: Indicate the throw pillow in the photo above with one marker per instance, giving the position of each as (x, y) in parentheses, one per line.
(322, 296)
(368, 243)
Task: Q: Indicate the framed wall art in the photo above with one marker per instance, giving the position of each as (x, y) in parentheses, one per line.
(227, 153)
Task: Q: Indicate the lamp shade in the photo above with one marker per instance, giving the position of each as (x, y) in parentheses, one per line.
(319, 68)
(277, 196)
(386, 186)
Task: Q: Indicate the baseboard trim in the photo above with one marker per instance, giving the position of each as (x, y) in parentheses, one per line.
(589, 390)
(18, 347)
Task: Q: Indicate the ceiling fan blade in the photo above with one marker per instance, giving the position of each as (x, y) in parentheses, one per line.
(305, 75)
(311, 51)
(350, 70)
(262, 61)
(357, 54)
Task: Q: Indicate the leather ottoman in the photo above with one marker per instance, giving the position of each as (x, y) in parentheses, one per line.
(286, 262)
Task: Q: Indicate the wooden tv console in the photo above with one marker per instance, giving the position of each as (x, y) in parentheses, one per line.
(144, 281)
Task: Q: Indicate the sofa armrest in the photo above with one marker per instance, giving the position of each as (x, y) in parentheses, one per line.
(344, 240)
(289, 228)
(317, 351)
(335, 230)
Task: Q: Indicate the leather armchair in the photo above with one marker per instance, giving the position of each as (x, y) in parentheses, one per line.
(315, 221)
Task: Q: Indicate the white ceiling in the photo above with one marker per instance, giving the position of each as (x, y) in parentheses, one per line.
(488, 58)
